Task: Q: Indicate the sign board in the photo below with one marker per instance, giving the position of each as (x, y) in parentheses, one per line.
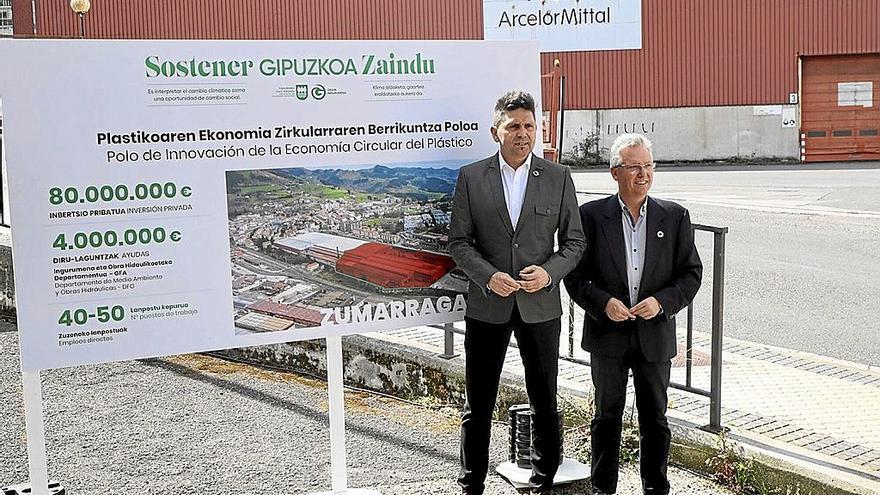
(855, 94)
(765, 110)
(566, 25)
(172, 197)
(789, 117)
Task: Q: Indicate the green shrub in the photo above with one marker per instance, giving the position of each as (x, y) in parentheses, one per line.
(586, 153)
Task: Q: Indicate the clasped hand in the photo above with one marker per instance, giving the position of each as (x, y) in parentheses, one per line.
(532, 279)
(617, 311)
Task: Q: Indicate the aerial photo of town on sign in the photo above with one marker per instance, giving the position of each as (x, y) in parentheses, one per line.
(311, 246)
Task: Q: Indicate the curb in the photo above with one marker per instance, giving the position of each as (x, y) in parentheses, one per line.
(731, 341)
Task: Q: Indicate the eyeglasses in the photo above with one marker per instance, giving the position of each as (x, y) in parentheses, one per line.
(635, 168)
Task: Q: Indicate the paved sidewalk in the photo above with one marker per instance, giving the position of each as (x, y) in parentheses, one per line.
(821, 413)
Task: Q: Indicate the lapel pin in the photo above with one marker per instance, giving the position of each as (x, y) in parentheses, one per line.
(660, 234)
(536, 173)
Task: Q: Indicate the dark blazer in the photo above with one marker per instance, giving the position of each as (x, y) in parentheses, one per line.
(482, 240)
(672, 274)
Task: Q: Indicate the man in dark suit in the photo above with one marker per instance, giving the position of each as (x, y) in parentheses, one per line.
(506, 212)
(640, 269)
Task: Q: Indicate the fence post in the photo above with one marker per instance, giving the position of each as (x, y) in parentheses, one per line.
(570, 327)
(689, 352)
(717, 331)
(448, 342)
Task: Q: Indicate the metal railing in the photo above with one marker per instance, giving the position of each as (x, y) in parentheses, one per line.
(714, 392)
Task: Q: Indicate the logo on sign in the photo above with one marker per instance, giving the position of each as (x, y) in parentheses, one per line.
(319, 92)
(302, 91)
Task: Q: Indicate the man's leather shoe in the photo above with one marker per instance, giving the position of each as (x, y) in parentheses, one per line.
(600, 492)
(541, 491)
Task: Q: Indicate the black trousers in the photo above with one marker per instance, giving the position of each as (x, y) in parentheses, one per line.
(651, 381)
(485, 347)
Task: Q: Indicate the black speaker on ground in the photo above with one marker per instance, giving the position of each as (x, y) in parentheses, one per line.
(519, 421)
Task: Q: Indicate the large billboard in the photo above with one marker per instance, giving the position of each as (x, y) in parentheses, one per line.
(172, 196)
(566, 25)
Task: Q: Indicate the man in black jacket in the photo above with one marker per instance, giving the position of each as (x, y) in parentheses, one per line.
(640, 268)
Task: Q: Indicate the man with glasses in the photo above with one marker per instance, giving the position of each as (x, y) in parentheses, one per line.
(640, 268)
(507, 211)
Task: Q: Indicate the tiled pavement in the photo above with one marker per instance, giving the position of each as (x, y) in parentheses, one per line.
(826, 410)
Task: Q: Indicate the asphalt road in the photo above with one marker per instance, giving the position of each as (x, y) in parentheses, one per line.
(802, 252)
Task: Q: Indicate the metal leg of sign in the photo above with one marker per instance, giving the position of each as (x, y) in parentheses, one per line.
(338, 476)
(36, 433)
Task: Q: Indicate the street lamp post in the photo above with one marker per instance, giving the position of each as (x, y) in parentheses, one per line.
(81, 7)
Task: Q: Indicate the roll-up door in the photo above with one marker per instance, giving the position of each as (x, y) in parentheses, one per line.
(840, 108)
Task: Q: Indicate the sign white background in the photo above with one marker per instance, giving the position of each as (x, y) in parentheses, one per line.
(58, 95)
(581, 25)
(855, 94)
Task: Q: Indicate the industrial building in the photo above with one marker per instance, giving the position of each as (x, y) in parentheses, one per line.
(323, 248)
(373, 262)
(393, 267)
(300, 315)
(5, 18)
(715, 79)
(263, 323)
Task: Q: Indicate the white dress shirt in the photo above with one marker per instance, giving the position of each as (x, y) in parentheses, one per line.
(514, 182)
(635, 237)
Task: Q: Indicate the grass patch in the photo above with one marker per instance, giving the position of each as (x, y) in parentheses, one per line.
(330, 192)
(741, 474)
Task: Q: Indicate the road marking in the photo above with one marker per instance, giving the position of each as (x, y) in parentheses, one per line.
(795, 210)
(768, 208)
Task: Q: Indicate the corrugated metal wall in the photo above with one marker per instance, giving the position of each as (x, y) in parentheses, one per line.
(22, 18)
(718, 52)
(694, 52)
(267, 19)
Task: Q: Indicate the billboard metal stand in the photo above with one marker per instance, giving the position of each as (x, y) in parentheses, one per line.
(338, 476)
(36, 432)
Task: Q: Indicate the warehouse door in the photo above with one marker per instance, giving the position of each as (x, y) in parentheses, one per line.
(840, 108)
